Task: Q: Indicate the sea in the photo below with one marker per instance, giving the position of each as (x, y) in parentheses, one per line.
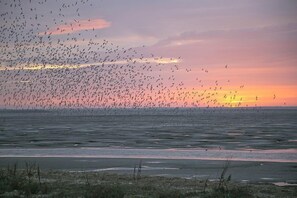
(260, 144)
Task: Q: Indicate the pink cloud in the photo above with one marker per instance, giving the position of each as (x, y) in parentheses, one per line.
(75, 26)
(281, 33)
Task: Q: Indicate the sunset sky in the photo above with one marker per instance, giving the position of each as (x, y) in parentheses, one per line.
(257, 40)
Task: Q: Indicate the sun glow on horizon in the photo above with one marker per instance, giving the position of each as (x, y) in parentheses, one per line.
(76, 54)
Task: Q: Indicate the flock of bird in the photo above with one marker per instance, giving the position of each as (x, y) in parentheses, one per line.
(39, 69)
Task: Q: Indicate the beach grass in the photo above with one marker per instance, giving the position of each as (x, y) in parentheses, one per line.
(32, 182)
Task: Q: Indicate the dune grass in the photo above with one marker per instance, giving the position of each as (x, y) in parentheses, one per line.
(32, 182)
(22, 182)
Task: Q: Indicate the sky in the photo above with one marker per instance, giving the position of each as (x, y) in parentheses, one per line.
(249, 48)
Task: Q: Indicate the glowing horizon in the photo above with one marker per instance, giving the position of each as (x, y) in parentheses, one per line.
(204, 58)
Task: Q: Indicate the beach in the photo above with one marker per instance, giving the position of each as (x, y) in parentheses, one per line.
(61, 183)
(245, 166)
(257, 152)
(242, 172)
(148, 99)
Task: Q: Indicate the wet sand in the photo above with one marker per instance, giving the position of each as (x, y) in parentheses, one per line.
(89, 177)
(243, 172)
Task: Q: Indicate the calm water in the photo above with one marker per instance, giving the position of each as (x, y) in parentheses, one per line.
(227, 129)
(261, 143)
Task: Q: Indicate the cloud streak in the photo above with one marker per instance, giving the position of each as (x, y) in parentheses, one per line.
(286, 31)
(90, 24)
(77, 66)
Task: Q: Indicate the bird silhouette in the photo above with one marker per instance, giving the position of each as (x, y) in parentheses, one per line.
(49, 61)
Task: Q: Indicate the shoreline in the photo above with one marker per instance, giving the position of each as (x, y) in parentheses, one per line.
(251, 155)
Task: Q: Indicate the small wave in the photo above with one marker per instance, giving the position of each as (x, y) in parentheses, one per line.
(268, 178)
(154, 162)
(144, 168)
(284, 184)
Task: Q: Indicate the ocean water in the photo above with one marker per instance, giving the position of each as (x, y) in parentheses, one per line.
(223, 129)
(191, 143)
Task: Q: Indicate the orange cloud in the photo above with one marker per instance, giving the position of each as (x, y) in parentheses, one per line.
(90, 24)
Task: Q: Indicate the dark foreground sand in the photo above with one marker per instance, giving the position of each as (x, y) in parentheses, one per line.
(71, 177)
(243, 172)
(94, 184)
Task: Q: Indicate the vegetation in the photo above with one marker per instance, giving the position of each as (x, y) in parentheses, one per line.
(22, 182)
(32, 182)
